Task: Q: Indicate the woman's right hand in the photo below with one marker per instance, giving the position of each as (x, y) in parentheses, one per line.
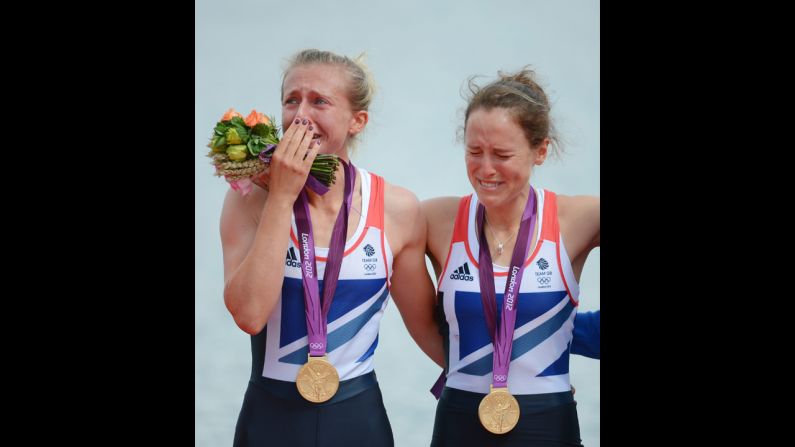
(291, 162)
(262, 179)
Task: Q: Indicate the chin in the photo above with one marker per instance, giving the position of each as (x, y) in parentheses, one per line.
(488, 197)
(339, 151)
(489, 201)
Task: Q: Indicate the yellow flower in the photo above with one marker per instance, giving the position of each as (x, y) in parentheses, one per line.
(232, 137)
(237, 152)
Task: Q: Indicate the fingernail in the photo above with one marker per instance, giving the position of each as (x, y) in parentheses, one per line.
(310, 127)
(304, 121)
(297, 121)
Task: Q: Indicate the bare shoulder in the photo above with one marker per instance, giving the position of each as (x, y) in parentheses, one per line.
(440, 209)
(578, 206)
(400, 203)
(580, 223)
(439, 213)
(401, 215)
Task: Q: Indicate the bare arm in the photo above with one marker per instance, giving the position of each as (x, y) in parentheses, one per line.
(412, 288)
(253, 259)
(580, 225)
(439, 213)
(254, 251)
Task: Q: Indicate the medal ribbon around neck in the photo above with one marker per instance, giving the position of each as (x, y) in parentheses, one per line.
(317, 316)
(502, 339)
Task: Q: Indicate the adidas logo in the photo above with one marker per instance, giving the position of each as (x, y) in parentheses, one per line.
(292, 259)
(462, 273)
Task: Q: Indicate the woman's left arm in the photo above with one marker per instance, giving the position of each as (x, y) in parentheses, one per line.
(412, 288)
(580, 225)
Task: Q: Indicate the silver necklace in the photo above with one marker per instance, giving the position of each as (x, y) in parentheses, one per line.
(500, 244)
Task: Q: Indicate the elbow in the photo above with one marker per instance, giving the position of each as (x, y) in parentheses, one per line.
(250, 326)
(248, 321)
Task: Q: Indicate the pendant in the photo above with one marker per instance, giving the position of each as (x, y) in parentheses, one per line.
(499, 248)
(498, 411)
(317, 380)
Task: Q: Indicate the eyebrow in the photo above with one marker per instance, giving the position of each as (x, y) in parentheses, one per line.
(311, 92)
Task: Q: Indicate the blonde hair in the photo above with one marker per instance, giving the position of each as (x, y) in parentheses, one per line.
(361, 85)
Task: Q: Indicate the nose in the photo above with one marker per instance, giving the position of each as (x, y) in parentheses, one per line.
(487, 167)
(305, 111)
(303, 108)
(301, 112)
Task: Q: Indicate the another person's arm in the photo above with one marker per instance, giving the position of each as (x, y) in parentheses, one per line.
(586, 334)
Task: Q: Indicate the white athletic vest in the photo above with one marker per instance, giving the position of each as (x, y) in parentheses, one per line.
(546, 308)
(359, 301)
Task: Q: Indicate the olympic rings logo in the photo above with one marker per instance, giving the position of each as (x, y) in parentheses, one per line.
(369, 267)
(316, 345)
(500, 377)
(544, 280)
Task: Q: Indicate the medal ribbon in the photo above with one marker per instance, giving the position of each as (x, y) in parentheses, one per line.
(502, 339)
(317, 317)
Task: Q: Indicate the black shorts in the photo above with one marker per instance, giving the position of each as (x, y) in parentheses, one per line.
(276, 415)
(545, 420)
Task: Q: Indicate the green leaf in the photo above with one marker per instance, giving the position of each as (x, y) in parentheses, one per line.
(238, 121)
(255, 147)
(262, 129)
(242, 130)
(244, 133)
(221, 128)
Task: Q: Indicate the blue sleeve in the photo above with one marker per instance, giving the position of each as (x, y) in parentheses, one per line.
(586, 334)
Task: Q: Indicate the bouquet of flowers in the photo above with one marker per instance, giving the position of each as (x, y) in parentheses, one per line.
(241, 148)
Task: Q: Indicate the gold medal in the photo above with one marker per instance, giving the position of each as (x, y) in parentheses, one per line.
(498, 411)
(317, 380)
